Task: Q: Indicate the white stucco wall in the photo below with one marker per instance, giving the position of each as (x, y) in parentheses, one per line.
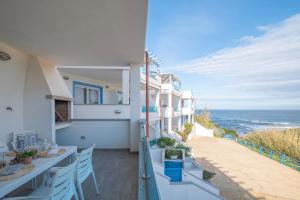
(12, 79)
(199, 130)
(108, 97)
(38, 110)
(135, 108)
(105, 134)
(101, 111)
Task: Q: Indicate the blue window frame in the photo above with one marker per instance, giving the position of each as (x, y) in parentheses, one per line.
(84, 93)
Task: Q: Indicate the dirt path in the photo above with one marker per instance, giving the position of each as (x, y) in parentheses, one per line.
(244, 174)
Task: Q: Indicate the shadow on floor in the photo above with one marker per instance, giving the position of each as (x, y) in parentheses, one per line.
(229, 188)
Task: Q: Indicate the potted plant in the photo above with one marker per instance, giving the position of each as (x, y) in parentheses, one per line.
(165, 142)
(27, 156)
(173, 154)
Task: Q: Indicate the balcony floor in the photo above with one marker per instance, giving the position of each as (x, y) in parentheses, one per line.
(117, 175)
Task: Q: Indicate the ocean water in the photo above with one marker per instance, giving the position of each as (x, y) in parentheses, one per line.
(245, 121)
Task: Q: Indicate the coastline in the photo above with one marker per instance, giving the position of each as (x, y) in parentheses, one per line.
(247, 121)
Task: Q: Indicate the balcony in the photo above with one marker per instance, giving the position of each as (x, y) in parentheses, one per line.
(154, 113)
(152, 74)
(170, 88)
(187, 111)
(176, 87)
(85, 112)
(154, 80)
(154, 184)
(151, 109)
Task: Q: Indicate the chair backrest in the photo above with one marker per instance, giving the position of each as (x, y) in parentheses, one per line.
(62, 187)
(84, 165)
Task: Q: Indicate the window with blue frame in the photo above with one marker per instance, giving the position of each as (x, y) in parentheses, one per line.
(84, 93)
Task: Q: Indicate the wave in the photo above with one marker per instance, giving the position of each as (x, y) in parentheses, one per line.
(269, 123)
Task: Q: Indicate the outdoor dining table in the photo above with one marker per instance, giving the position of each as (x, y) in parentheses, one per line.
(40, 165)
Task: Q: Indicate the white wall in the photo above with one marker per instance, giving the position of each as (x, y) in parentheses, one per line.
(135, 108)
(12, 79)
(38, 110)
(105, 134)
(101, 112)
(107, 93)
(199, 130)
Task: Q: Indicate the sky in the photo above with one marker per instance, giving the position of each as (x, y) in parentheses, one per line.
(233, 54)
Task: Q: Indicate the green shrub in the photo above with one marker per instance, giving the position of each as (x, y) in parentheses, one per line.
(173, 152)
(186, 149)
(164, 142)
(207, 175)
(231, 132)
(186, 131)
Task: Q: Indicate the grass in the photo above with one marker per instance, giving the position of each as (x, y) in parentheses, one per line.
(284, 141)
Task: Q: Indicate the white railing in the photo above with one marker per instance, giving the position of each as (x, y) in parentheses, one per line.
(187, 111)
(101, 111)
(182, 190)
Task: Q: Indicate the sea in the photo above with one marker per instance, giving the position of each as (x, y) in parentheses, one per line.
(246, 121)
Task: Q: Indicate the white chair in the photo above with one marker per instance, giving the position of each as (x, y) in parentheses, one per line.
(84, 169)
(62, 187)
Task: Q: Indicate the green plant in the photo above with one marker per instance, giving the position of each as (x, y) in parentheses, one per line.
(186, 131)
(164, 142)
(208, 175)
(204, 119)
(231, 132)
(27, 154)
(187, 149)
(173, 152)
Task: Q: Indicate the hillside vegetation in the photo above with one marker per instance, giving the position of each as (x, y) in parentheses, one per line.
(284, 141)
(186, 131)
(205, 120)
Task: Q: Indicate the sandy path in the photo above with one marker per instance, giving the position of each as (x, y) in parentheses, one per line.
(244, 174)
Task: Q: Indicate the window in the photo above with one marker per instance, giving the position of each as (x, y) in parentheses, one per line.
(87, 93)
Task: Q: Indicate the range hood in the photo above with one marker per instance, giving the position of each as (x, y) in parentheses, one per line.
(57, 87)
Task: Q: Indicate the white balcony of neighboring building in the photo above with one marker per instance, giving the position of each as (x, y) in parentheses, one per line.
(170, 105)
(170, 84)
(188, 103)
(154, 107)
(154, 78)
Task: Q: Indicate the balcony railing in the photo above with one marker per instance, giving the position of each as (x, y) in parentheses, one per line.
(147, 183)
(152, 74)
(176, 110)
(151, 109)
(176, 87)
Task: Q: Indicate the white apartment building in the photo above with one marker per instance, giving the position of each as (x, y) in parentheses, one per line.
(188, 106)
(154, 98)
(171, 102)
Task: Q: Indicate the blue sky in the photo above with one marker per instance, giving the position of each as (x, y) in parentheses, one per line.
(233, 54)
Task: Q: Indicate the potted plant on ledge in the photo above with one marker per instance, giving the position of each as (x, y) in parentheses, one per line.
(27, 156)
(174, 154)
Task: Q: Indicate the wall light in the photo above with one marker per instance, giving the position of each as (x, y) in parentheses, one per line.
(4, 56)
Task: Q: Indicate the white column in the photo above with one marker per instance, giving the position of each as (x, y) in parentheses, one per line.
(169, 124)
(179, 124)
(125, 86)
(189, 118)
(134, 108)
(170, 104)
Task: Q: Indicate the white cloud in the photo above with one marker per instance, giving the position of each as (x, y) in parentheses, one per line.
(264, 64)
